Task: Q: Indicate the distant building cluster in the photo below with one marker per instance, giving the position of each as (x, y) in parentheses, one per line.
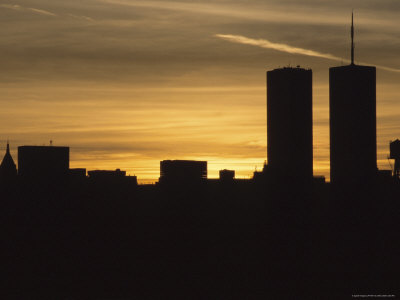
(50, 165)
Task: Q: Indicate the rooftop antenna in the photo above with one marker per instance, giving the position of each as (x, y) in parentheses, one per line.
(352, 39)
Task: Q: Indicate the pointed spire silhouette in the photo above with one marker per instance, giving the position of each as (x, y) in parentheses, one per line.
(352, 39)
(8, 167)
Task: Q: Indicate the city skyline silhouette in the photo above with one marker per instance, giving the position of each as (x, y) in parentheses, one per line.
(352, 104)
(195, 94)
(117, 87)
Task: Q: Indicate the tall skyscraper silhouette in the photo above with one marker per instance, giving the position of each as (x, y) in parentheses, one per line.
(289, 123)
(352, 115)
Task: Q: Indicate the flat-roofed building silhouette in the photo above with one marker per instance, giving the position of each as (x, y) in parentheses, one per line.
(226, 175)
(395, 154)
(104, 174)
(289, 123)
(352, 118)
(183, 171)
(43, 162)
(111, 177)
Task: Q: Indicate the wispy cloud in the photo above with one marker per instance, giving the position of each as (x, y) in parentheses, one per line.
(275, 46)
(84, 18)
(34, 10)
(42, 12)
(11, 6)
(263, 43)
(264, 13)
(269, 12)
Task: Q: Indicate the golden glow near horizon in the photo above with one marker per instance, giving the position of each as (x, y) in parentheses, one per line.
(126, 84)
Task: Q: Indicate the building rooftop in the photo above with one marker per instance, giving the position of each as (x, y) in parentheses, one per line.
(290, 69)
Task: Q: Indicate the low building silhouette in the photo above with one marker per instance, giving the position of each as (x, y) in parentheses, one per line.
(111, 177)
(36, 163)
(395, 154)
(226, 175)
(262, 176)
(183, 171)
(105, 174)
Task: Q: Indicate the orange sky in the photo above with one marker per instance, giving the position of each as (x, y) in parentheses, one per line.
(126, 84)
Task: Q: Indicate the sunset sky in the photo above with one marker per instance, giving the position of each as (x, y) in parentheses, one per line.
(129, 83)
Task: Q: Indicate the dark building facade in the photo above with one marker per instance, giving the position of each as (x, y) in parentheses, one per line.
(110, 177)
(183, 171)
(100, 174)
(43, 162)
(395, 154)
(289, 123)
(226, 175)
(77, 173)
(352, 118)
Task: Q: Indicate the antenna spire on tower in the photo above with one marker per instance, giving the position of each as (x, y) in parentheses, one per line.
(352, 39)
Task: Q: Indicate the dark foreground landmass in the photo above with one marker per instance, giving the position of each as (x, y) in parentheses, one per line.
(209, 241)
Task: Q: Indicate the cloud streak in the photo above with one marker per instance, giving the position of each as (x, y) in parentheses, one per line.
(34, 10)
(84, 18)
(263, 43)
(42, 12)
(275, 46)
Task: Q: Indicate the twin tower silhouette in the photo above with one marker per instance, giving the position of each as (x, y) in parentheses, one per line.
(352, 121)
